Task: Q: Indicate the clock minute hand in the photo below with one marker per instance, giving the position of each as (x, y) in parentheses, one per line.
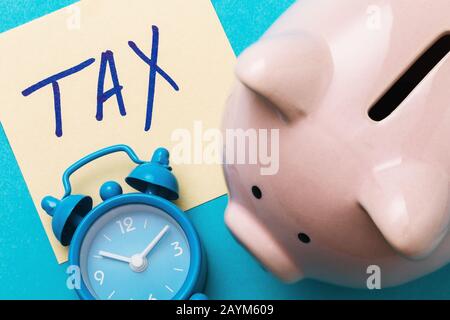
(154, 242)
(114, 256)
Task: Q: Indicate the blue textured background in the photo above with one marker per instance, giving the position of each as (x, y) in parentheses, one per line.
(28, 269)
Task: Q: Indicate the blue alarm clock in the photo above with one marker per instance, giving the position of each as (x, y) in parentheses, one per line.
(130, 246)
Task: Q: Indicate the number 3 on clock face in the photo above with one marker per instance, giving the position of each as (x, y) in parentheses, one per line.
(134, 251)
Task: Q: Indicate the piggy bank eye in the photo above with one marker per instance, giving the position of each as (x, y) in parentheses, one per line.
(256, 192)
(303, 237)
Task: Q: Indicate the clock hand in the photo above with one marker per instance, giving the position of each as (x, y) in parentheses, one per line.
(153, 243)
(114, 256)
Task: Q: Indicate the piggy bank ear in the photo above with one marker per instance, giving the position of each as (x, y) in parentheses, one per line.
(292, 71)
(408, 202)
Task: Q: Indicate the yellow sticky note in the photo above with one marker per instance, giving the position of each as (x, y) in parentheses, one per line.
(90, 41)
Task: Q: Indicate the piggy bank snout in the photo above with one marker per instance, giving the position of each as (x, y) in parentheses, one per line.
(256, 238)
(292, 71)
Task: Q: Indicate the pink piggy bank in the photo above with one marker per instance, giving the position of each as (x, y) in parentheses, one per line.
(359, 91)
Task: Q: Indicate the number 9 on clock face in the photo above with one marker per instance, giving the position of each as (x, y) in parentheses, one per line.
(134, 251)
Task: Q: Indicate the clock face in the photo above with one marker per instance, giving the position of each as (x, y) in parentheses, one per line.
(134, 251)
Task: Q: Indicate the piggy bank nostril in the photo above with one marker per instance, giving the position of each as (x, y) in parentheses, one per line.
(256, 192)
(303, 237)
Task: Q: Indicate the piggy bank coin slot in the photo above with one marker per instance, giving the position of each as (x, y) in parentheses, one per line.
(400, 90)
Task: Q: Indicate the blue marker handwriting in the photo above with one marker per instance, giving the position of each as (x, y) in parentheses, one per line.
(107, 61)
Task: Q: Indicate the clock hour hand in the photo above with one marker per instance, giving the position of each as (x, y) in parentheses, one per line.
(154, 242)
(114, 256)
